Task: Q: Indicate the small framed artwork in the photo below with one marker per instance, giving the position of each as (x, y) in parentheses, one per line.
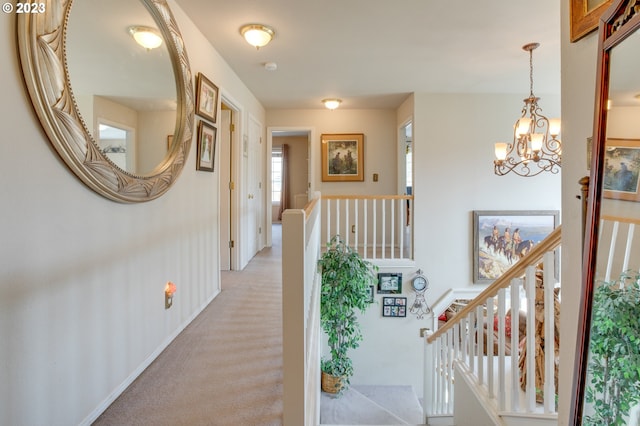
(389, 283)
(585, 15)
(370, 294)
(206, 146)
(621, 169)
(206, 98)
(394, 306)
(501, 238)
(342, 157)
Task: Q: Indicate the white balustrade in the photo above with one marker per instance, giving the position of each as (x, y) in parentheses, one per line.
(377, 226)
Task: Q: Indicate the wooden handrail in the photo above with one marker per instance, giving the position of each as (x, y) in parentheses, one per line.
(367, 197)
(309, 208)
(535, 255)
(620, 219)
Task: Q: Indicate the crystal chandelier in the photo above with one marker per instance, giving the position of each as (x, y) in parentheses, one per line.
(536, 147)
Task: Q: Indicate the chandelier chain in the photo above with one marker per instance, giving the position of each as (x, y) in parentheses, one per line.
(531, 72)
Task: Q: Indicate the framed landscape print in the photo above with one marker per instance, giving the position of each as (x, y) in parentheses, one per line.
(206, 98)
(206, 146)
(501, 238)
(621, 169)
(342, 157)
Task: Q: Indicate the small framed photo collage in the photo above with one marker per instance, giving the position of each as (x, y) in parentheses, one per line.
(390, 283)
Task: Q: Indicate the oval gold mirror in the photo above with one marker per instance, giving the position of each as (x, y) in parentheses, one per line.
(606, 377)
(118, 114)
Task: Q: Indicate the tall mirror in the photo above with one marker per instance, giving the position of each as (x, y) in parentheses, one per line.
(119, 114)
(607, 374)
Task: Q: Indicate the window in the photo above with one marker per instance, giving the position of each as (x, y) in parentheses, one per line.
(276, 174)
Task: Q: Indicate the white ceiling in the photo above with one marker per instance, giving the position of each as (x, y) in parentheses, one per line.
(373, 53)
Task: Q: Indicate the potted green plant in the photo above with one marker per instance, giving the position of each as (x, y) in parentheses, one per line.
(614, 351)
(346, 281)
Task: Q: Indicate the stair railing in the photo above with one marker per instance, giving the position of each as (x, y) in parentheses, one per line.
(380, 227)
(489, 361)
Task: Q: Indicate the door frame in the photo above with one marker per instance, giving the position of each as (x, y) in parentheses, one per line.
(312, 184)
(234, 234)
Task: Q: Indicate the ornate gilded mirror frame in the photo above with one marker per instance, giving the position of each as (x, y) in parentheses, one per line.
(41, 40)
(619, 22)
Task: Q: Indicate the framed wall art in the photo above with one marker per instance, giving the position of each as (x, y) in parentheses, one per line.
(501, 238)
(394, 306)
(206, 146)
(389, 283)
(621, 169)
(370, 293)
(206, 98)
(342, 157)
(585, 15)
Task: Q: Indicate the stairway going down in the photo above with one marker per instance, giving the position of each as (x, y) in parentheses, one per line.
(372, 405)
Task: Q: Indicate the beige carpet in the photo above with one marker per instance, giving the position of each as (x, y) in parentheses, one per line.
(225, 368)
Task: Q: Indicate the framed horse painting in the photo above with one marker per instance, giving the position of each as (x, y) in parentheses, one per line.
(501, 238)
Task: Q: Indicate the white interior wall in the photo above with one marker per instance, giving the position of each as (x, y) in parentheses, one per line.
(454, 176)
(378, 127)
(578, 78)
(82, 277)
(155, 127)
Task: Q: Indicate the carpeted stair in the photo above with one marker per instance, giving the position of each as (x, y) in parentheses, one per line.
(372, 405)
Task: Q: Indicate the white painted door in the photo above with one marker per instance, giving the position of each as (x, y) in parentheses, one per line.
(254, 187)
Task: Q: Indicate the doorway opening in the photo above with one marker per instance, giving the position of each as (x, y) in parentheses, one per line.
(289, 172)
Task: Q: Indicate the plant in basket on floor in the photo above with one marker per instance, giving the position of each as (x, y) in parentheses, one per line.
(346, 278)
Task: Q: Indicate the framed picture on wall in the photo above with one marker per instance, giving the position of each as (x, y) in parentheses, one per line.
(585, 15)
(342, 157)
(206, 146)
(389, 283)
(621, 169)
(501, 238)
(394, 307)
(206, 98)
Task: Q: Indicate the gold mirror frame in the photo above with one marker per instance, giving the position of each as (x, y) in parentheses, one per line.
(620, 21)
(41, 42)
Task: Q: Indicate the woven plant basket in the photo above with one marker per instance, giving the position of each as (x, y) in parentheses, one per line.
(331, 384)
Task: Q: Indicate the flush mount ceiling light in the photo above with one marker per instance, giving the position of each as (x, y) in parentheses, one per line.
(257, 35)
(332, 103)
(147, 37)
(535, 147)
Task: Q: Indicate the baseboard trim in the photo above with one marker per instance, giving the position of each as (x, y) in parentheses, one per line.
(101, 408)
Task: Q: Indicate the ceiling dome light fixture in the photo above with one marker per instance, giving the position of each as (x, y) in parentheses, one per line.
(147, 37)
(535, 138)
(332, 103)
(257, 35)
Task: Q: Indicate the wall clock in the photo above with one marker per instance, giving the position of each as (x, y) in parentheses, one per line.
(420, 284)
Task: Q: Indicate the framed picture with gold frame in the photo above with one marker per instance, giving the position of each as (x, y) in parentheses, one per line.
(206, 147)
(206, 98)
(342, 157)
(585, 15)
(621, 173)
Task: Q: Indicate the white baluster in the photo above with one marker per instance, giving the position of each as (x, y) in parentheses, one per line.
(549, 332)
(480, 343)
(501, 348)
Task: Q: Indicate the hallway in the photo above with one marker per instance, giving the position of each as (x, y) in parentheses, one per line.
(225, 368)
